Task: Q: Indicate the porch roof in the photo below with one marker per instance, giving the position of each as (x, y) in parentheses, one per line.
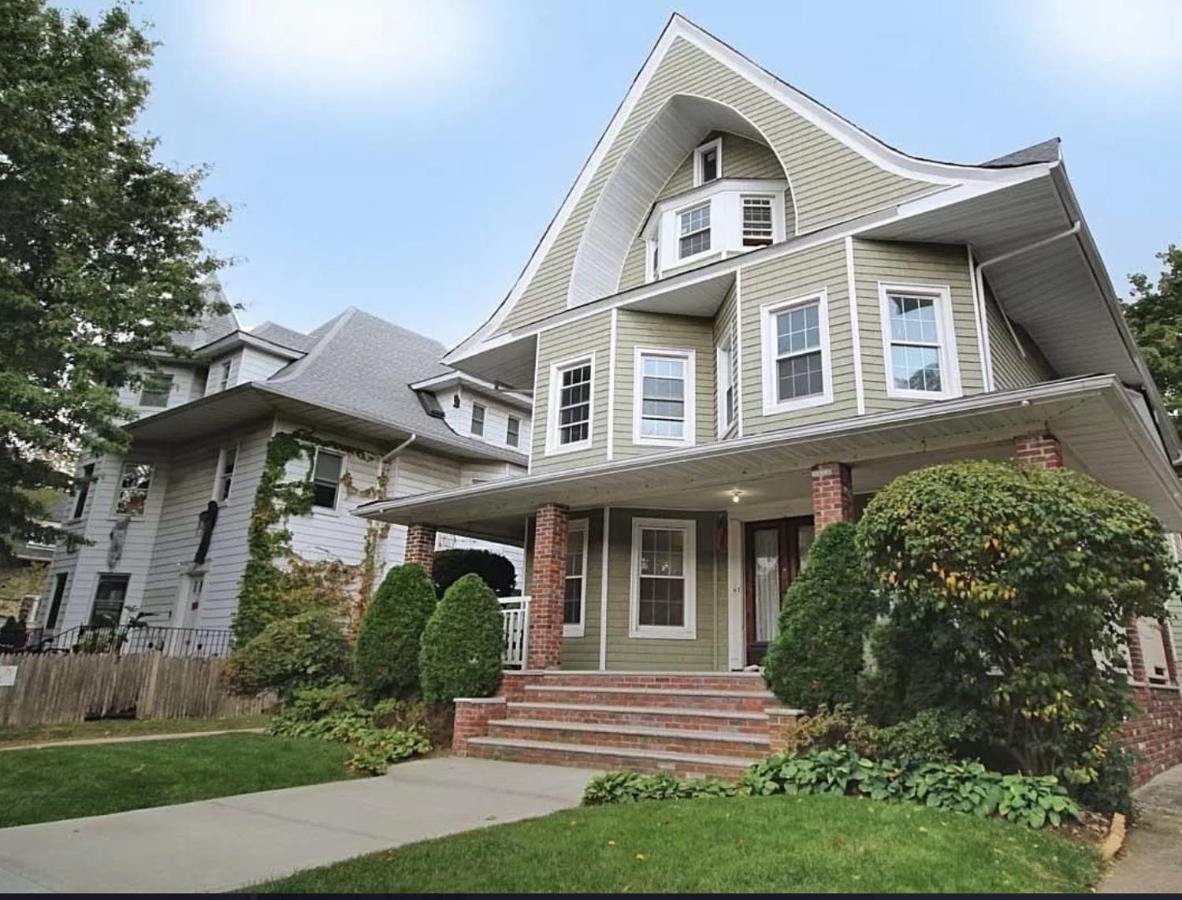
(1105, 429)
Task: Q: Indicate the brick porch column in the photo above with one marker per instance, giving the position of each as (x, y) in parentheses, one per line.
(420, 546)
(547, 587)
(833, 494)
(1039, 450)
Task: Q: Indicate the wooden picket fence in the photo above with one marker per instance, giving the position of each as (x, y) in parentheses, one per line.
(54, 690)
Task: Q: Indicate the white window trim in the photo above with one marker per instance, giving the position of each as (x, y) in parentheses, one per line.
(509, 420)
(690, 358)
(767, 313)
(715, 145)
(483, 419)
(119, 488)
(336, 500)
(678, 259)
(719, 388)
(771, 198)
(945, 330)
(225, 370)
(575, 527)
(689, 631)
(553, 447)
(220, 471)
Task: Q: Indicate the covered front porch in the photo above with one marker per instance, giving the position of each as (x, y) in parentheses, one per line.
(677, 562)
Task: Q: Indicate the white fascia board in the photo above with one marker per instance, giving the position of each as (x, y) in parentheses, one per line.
(451, 379)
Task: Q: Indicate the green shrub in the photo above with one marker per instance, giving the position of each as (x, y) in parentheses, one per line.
(933, 735)
(817, 656)
(462, 644)
(304, 651)
(1112, 788)
(630, 787)
(387, 653)
(1010, 587)
(496, 570)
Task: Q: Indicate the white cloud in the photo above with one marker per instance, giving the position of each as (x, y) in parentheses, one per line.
(358, 49)
(1130, 43)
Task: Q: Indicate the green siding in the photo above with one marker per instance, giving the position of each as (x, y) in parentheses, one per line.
(1010, 368)
(566, 342)
(656, 331)
(797, 275)
(831, 182)
(932, 264)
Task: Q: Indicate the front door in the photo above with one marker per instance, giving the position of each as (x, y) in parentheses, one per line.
(775, 551)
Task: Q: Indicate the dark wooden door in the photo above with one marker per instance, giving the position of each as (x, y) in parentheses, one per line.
(774, 550)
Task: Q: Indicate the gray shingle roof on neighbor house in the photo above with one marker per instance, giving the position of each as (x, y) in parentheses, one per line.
(360, 364)
(211, 328)
(1045, 152)
(284, 337)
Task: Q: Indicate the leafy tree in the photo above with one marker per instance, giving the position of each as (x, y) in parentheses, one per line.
(462, 644)
(496, 570)
(816, 658)
(101, 253)
(1022, 579)
(1155, 318)
(387, 652)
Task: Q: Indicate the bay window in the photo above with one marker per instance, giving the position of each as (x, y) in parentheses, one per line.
(918, 342)
(694, 225)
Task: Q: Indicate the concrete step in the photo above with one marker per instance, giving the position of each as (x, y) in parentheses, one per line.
(589, 756)
(685, 698)
(691, 719)
(641, 737)
(719, 681)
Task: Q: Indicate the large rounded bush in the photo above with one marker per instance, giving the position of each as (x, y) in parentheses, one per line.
(496, 570)
(1022, 579)
(816, 658)
(307, 650)
(387, 652)
(462, 644)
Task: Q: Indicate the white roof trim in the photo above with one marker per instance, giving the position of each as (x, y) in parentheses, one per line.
(448, 379)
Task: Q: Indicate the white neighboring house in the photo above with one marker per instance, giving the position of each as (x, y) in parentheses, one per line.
(201, 432)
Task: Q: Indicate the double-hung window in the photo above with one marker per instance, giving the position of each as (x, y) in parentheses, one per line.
(134, 484)
(224, 375)
(156, 390)
(757, 221)
(570, 405)
(326, 478)
(227, 459)
(82, 490)
(574, 599)
(478, 419)
(693, 230)
(727, 365)
(919, 344)
(664, 408)
(513, 431)
(663, 592)
(796, 354)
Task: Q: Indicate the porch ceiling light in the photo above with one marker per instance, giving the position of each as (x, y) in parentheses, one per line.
(736, 494)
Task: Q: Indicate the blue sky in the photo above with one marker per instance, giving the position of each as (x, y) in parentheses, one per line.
(405, 157)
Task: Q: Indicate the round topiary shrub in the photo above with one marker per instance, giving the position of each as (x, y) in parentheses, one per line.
(1022, 579)
(496, 570)
(816, 658)
(463, 642)
(307, 650)
(387, 652)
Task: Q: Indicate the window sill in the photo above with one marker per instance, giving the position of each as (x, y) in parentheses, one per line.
(669, 444)
(788, 406)
(567, 448)
(573, 631)
(897, 394)
(650, 633)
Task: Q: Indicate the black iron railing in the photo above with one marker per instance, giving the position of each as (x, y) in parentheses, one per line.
(124, 639)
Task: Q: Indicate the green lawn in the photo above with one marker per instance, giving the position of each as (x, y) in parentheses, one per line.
(65, 782)
(11, 735)
(725, 845)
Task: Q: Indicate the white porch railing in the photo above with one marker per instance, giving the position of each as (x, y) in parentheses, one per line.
(515, 615)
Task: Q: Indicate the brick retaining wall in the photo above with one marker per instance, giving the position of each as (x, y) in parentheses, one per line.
(1156, 735)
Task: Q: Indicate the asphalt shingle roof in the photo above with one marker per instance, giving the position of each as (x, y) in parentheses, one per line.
(1047, 151)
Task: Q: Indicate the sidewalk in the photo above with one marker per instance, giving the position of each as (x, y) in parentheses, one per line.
(232, 842)
(130, 738)
(1152, 858)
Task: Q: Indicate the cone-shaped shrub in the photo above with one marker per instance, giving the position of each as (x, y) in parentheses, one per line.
(462, 644)
(387, 653)
(816, 658)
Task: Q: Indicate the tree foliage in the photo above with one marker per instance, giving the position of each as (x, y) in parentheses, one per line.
(816, 658)
(307, 650)
(1022, 580)
(387, 652)
(496, 570)
(462, 644)
(101, 253)
(1155, 318)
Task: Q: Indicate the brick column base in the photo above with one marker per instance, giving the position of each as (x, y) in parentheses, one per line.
(548, 587)
(472, 718)
(420, 546)
(1039, 450)
(781, 723)
(833, 494)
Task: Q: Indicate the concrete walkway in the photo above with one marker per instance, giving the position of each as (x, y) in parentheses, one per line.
(218, 845)
(1151, 862)
(129, 739)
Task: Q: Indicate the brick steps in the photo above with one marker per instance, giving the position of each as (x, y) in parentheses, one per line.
(729, 681)
(691, 719)
(632, 737)
(696, 698)
(592, 756)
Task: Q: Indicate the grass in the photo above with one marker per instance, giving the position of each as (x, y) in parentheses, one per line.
(15, 735)
(42, 785)
(768, 844)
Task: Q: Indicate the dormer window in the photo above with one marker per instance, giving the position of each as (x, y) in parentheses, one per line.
(695, 231)
(757, 221)
(708, 162)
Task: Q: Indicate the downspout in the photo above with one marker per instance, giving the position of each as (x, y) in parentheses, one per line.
(393, 453)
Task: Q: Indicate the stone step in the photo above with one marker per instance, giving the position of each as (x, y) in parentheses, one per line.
(642, 737)
(696, 698)
(725, 681)
(731, 721)
(595, 757)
